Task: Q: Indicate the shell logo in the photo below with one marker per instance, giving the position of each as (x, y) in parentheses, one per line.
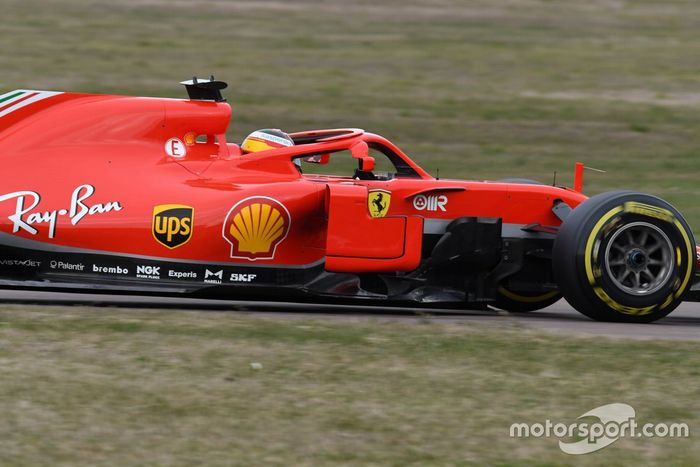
(255, 227)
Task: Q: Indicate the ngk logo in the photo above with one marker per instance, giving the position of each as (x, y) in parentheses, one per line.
(148, 272)
(430, 203)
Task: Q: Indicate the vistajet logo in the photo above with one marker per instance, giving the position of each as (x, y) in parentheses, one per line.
(25, 263)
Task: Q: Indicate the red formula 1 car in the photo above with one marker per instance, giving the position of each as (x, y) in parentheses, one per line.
(144, 195)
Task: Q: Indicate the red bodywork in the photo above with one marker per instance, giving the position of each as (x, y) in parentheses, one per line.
(118, 146)
(122, 175)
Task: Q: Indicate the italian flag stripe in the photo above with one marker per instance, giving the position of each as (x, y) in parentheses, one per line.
(10, 95)
(19, 98)
(28, 96)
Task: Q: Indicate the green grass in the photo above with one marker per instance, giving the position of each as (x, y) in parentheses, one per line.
(478, 89)
(140, 387)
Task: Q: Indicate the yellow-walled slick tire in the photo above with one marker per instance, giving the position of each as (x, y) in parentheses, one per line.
(624, 256)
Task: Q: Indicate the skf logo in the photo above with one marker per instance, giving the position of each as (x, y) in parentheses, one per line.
(172, 224)
(378, 202)
(235, 277)
(255, 227)
(430, 203)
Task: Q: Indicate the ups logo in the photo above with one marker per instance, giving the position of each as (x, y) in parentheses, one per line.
(172, 224)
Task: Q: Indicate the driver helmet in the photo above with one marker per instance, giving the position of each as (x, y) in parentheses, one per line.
(263, 140)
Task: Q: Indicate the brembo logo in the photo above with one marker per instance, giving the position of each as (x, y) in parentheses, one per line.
(173, 224)
(109, 269)
(24, 219)
(255, 227)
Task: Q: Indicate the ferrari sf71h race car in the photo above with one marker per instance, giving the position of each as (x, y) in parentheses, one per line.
(136, 195)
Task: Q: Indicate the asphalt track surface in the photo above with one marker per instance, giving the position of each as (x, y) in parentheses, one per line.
(560, 318)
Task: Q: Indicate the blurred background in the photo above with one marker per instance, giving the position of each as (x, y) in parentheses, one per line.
(475, 88)
(479, 89)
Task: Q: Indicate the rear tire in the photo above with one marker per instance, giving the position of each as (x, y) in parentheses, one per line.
(524, 302)
(624, 256)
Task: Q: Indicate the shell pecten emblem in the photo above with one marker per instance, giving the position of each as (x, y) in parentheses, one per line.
(255, 227)
(378, 202)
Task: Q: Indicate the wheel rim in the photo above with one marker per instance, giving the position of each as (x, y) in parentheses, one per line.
(639, 258)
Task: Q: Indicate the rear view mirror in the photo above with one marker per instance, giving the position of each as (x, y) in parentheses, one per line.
(360, 150)
(366, 164)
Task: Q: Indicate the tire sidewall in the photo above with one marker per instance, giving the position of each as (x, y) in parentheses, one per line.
(590, 228)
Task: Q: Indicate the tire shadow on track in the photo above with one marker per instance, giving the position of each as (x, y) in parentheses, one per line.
(575, 317)
(196, 304)
(681, 324)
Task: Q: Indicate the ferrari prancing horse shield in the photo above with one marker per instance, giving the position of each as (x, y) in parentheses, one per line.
(378, 202)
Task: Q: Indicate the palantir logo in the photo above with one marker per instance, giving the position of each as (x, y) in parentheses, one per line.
(614, 421)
